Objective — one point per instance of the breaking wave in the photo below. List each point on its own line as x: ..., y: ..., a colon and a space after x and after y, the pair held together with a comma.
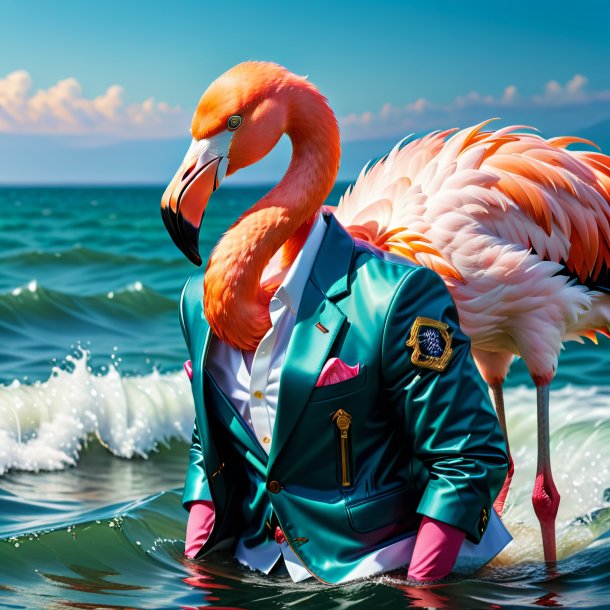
x: 46, y: 425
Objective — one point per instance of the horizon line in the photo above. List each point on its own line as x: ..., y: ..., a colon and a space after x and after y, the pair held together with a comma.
x: 17, y: 185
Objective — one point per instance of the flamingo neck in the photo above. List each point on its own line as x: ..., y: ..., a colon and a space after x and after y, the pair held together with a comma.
x: 236, y: 305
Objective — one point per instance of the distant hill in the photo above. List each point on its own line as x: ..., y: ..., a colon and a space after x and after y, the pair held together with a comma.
x: 598, y: 133
x: 26, y: 159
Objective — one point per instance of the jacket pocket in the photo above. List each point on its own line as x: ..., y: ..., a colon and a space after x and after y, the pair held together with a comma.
x: 383, y: 509
x: 334, y: 390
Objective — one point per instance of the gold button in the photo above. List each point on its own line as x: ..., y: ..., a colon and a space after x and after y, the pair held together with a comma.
x: 258, y: 394
x: 484, y: 516
x: 274, y: 486
x: 266, y: 439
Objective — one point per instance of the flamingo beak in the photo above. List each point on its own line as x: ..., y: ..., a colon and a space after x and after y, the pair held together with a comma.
x: 185, y: 199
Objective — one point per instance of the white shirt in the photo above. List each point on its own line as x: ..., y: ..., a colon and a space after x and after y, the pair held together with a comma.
x: 251, y: 381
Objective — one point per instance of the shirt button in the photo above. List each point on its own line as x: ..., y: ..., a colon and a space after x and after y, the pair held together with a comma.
x: 274, y: 486
x: 266, y: 440
x: 258, y: 394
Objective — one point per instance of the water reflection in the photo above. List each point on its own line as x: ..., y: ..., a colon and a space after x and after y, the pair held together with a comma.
x: 91, y: 581
x: 201, y: 578
x: 550, y: 600
x: 426, y: 597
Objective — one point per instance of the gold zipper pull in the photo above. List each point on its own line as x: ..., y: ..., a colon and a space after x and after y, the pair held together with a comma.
x: 343, y: 421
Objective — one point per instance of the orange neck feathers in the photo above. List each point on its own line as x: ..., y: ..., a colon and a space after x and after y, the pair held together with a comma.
x: 236, y: 305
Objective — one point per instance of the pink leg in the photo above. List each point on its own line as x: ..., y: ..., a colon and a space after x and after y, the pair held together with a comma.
x: 545, y: 496
x: 498, y: 399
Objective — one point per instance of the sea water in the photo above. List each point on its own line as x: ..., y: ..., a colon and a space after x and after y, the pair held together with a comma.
x: 96, y: 415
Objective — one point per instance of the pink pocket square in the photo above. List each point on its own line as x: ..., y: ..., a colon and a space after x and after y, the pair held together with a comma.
x: 335, y: 370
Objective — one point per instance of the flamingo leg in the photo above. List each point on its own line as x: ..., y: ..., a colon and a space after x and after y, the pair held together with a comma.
x: 545, y: 496
x: 498, y: 400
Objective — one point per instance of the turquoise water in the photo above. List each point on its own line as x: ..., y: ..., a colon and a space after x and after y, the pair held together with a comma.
x: 95, y: 414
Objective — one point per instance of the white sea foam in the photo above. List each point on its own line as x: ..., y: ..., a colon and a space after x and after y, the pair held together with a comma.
x: 31, y: 286
x: 44, y: 426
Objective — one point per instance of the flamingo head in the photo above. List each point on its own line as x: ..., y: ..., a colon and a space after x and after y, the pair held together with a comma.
x: 239, y: 119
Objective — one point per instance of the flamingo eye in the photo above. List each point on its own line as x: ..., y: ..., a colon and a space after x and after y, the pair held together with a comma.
x: 233, y: 122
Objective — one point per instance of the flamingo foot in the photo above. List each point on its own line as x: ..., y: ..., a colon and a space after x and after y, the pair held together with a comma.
x: 545, y: 499
x: 501, y: 499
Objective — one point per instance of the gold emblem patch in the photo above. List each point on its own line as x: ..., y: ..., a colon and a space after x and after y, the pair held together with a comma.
x: 431, y: 344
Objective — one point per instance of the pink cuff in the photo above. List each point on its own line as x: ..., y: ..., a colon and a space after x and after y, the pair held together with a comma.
x: 199, y: 526
x: 188, y: 367
x: 436, y: 549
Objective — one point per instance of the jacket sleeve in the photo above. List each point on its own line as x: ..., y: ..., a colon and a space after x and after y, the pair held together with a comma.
x: 196, y: 486
x: 443, y: 403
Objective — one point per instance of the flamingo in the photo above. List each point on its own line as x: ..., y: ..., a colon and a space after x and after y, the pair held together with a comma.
x: 517, y: 226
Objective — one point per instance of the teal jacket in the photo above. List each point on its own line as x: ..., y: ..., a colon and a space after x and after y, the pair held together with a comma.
x: 354, y: 465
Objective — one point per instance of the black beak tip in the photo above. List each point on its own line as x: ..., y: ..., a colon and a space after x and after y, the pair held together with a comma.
x: 184, y: 235
x: 189, y: 238
x: 194, y: 258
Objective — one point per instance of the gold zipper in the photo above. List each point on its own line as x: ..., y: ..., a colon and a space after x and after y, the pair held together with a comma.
x: 343, y: 421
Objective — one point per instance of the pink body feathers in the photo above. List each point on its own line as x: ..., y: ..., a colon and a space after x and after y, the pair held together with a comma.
x: 505, y: 218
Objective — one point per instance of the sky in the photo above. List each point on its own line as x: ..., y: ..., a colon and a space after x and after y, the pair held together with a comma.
x: 84, y: 75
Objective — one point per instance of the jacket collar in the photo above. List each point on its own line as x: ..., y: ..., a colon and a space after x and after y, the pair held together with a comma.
x: 332, y: 267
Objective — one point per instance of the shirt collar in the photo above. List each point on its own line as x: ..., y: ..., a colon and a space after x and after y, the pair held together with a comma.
x: 291, y: 289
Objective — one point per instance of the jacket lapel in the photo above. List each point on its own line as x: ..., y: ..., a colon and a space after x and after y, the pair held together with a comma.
x: 200, y: 346
x: 306, y: 354
x: 318, y: 324
x: 232, y: 419
x: 204, y: 382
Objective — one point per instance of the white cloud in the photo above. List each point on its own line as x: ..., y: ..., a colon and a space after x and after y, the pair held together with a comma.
x: 559, y: 109
x: 64, y: 109
x: 573, y: 92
